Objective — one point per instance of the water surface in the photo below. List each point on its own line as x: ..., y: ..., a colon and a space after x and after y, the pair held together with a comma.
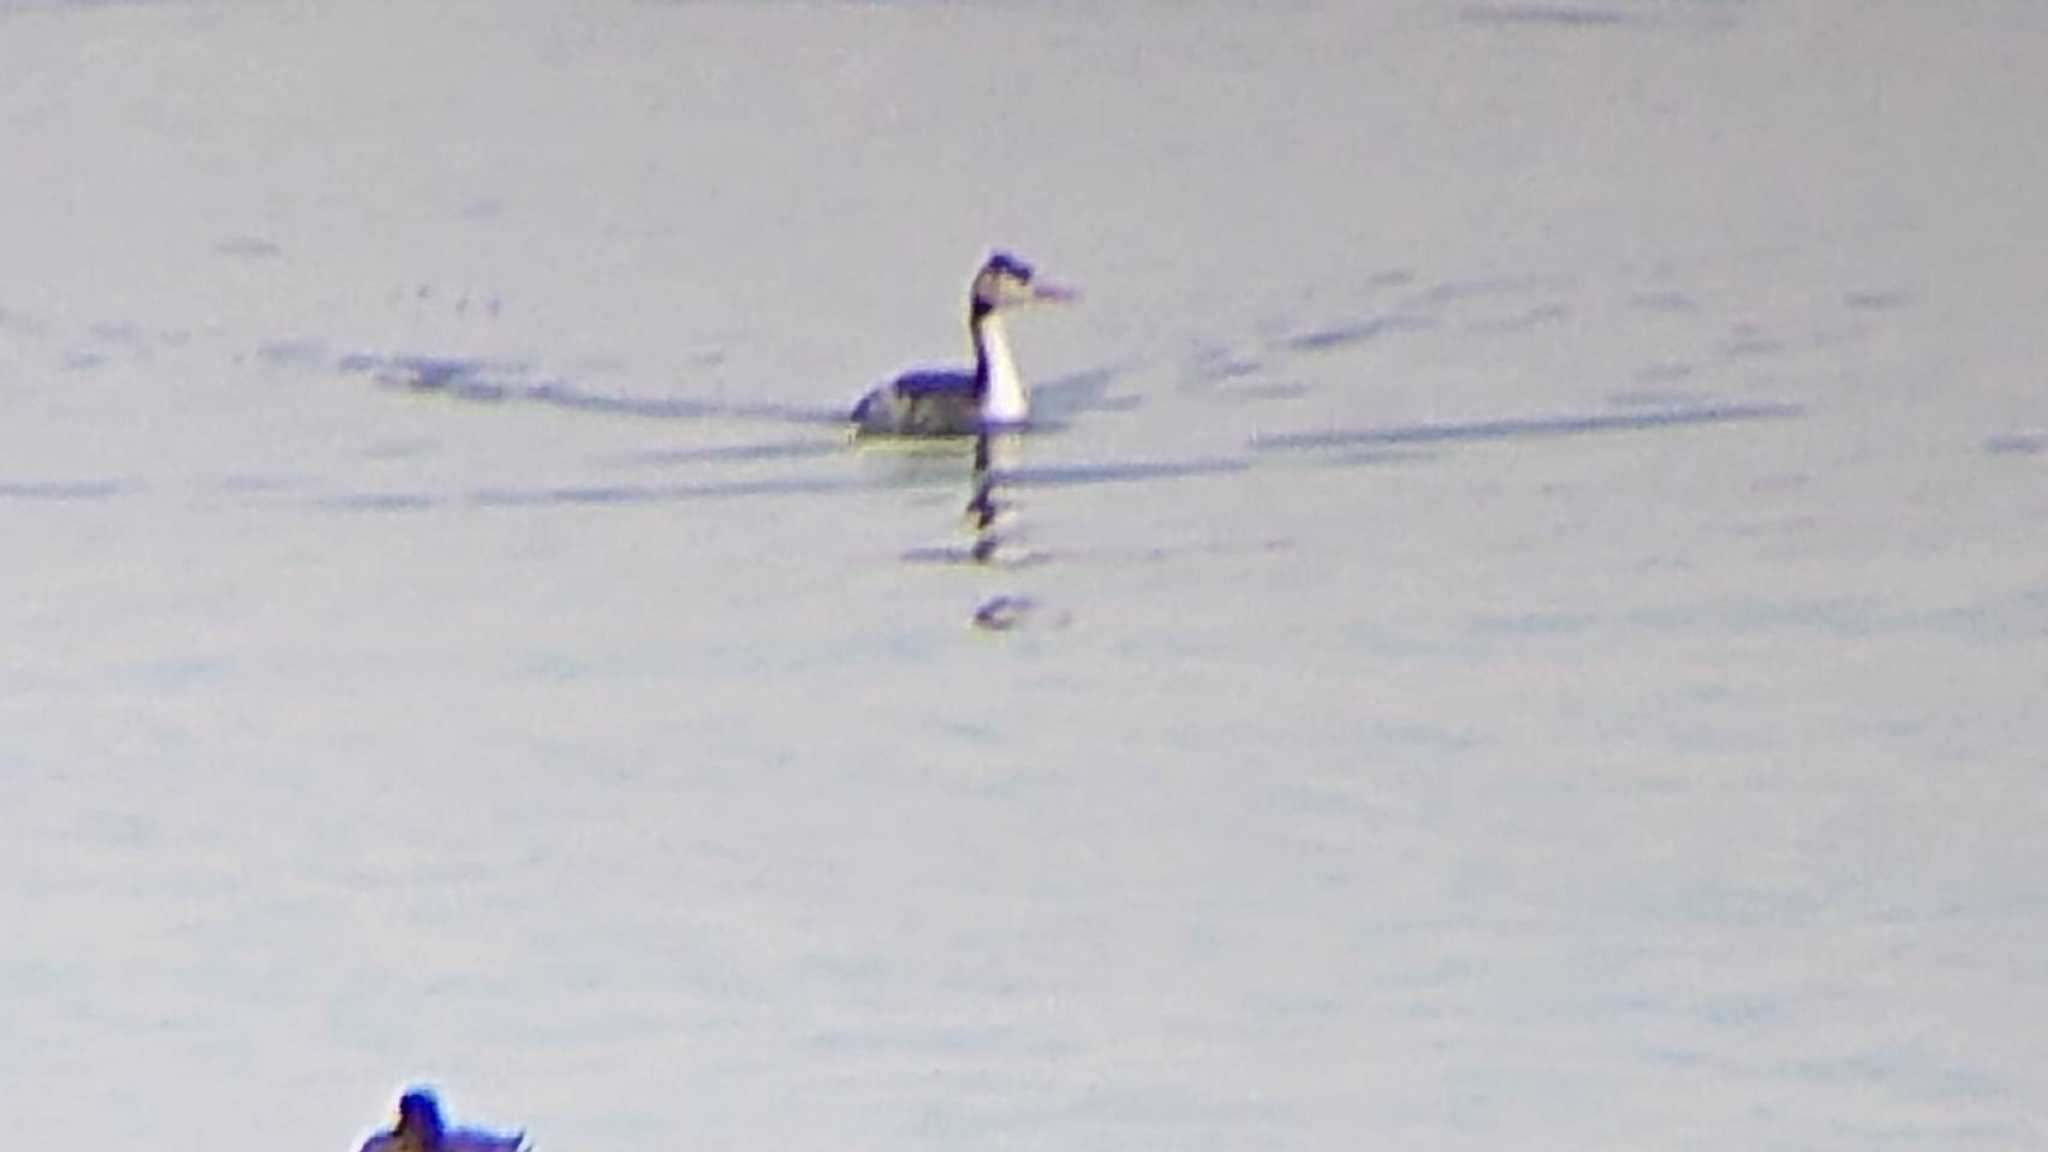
x: 1522, y: 626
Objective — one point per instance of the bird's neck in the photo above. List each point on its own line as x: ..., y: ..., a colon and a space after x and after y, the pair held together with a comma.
x: 1004, y: 398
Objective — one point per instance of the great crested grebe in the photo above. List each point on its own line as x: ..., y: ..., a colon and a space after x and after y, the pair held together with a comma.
x: 420, y: 1129
x: 950, y: 402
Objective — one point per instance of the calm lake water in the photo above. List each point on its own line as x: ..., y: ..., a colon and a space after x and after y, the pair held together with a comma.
x: 1525, y: 620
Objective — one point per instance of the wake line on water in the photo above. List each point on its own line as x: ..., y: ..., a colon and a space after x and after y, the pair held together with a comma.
x: 481, y: 381
x: 493, y: 382
x: 1523, y: 428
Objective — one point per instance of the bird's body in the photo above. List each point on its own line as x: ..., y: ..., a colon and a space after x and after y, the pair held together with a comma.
x: 419, y: 1128
x: 934, y: 402
x: 952, y: 402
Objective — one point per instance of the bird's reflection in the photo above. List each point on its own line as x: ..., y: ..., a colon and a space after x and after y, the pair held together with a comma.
x: 981, y: 505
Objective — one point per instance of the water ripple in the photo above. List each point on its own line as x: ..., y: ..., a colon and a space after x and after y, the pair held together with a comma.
x: 1524, y: 428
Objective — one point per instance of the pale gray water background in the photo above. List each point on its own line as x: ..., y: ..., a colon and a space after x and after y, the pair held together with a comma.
x: 1541, y: 592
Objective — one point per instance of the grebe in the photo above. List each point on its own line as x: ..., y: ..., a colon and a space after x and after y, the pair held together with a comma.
x: 941, y: 402
x: 420, y: 1129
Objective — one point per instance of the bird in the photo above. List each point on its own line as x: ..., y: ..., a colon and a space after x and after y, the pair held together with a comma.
x: 419, y: 1128
x: 948, y: 401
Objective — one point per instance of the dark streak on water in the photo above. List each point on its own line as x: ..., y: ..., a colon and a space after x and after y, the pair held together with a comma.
x: 124, y: 334
x: 20, y: 323
x: 252, y: 483
x: 402, y: 448
x: 654, y: 493
x: 247, y: 248
x: 1220, y: 366
x: 481, y: 381
x: 1876, y: 301
x: 614, y: 495
x: 1092, y: 474
x: 978, y: 555
x: 1705, y: 13
x: 581, y: 494
x: 1527, y: 318
x: 1004, y: 613
x: 486, y: 382
x: 1323, y: 339
x: 561, y: 394
x: 1344, y: 335
x: 11, y: 7
x: 59, y: 490
x: 1671, y: 301
x: 2016, y: 444
x: 292, y: 353
x: 1747, y: 343
x: 620, y: 495
x: 1525, y: 428
x: 1529, y: 14
x: 1482, y: 287
x: 1664, y: 371
x: 380, y: 501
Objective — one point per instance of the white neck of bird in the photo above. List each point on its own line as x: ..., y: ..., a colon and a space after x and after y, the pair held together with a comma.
x: 1007, y: 400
